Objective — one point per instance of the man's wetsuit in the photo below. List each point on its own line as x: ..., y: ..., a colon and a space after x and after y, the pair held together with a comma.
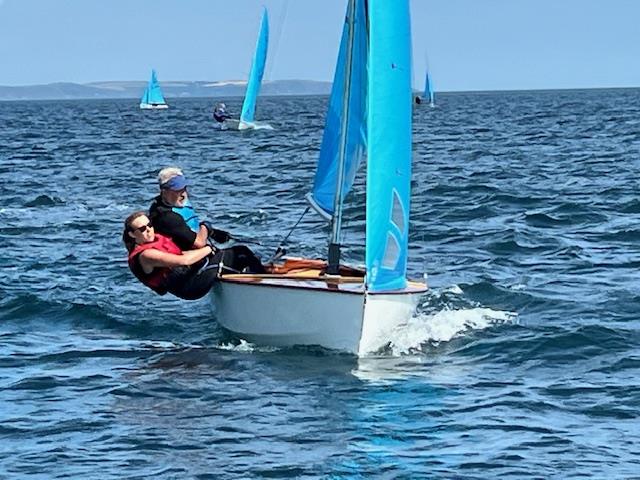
x: 179, y: 223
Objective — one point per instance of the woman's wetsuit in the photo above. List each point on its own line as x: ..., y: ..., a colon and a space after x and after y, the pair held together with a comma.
x: 194, y: 281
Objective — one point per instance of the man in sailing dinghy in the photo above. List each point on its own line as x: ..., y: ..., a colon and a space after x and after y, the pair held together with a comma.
x: 173, y: 216
x: 220, y: 113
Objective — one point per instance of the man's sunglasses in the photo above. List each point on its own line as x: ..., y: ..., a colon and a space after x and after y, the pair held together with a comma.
x: 177, y: 192
x: 141, y: 229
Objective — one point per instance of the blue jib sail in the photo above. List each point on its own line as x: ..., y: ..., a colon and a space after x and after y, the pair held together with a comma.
x: 389, y: 144
x: 326, y: 180
x: 153, y: 94
x: 257, y: 71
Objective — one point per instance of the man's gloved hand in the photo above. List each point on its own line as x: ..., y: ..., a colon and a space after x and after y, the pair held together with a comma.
x: 219, y: 236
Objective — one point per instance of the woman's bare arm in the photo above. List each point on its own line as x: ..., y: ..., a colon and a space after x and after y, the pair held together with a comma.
x: 150, y: 259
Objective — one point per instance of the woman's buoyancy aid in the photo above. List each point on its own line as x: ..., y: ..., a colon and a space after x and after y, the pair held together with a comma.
x: 156, y: 280
x: 190, y: 216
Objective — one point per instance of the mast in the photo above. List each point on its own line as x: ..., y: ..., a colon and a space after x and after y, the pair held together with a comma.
x: 333, y: 256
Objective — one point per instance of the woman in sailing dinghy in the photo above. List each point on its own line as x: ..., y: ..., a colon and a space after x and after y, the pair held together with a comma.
x: 162, y: 266
x: 159, y: 263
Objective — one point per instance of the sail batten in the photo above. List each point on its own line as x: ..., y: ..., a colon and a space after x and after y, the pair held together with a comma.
x: 257, y: 71
x: 389, y: 145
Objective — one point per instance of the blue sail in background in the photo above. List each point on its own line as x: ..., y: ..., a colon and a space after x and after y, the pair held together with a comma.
x: 152, y: 95
x: 389, y: 144
x: 257, y: 71
x: 428, y: 90
x: 326, y: 179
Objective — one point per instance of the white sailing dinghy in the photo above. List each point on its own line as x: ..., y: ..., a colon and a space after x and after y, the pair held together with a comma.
x: 152, y: 98
x: 316, y: 302
x: 247, y: 121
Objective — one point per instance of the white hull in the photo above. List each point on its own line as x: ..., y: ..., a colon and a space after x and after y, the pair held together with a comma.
x: 151, y: 106
x: 285, y: 311
x: 229, y: 124
x: 254, y: 126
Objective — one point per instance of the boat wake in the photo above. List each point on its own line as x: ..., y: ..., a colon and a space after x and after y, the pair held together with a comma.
x: 245, y: 347
x: 442, y: 326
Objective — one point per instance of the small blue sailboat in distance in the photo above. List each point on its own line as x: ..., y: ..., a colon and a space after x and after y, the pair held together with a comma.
x: 255, y: 78
x: 152, y: 98
x: 428, y: 91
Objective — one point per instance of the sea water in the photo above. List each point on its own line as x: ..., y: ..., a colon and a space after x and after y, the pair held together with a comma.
x: 522, y: 361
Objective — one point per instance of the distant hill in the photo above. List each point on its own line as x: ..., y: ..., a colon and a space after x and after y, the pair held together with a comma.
x: 230, y: 88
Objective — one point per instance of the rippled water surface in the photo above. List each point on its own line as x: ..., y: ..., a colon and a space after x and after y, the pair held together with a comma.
x: 522, y: 362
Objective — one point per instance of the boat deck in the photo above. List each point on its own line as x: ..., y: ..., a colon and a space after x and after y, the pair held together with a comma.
x: 310, y: 274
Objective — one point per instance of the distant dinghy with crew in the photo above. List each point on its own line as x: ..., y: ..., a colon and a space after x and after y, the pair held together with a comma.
x: 247, y: 116
x: 152, y: 98
x: 429, y: 96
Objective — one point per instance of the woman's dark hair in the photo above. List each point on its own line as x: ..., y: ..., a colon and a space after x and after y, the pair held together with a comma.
x: 129, y: 242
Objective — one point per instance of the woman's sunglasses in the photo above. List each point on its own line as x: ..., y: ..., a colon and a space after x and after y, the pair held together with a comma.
x: 141, y: 229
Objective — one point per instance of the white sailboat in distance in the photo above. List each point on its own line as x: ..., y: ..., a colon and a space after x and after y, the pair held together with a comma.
x: 325, y: 303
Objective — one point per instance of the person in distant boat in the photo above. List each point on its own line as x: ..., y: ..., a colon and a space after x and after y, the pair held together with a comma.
x: 220, y: 113
x: 418, y: 100
x: 162, y: 266
x: 173, y: 216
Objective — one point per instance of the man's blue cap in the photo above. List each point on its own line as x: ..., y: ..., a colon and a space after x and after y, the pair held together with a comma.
x: 175, y: 183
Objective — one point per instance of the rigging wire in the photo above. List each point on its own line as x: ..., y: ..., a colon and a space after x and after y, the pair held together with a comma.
x: 280, y: 251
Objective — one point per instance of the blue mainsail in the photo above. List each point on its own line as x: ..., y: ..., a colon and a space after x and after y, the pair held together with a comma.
x: 345, y: 128
x: 428, y: 91
x: 389, y: 144
x: 153, y: 95
x: 257, y: 71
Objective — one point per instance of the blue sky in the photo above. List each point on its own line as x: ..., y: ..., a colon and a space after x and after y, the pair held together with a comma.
x: 470, y: 44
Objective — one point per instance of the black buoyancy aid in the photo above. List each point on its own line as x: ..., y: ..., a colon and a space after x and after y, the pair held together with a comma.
x: 187, y: 212
x: 156, y: 280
